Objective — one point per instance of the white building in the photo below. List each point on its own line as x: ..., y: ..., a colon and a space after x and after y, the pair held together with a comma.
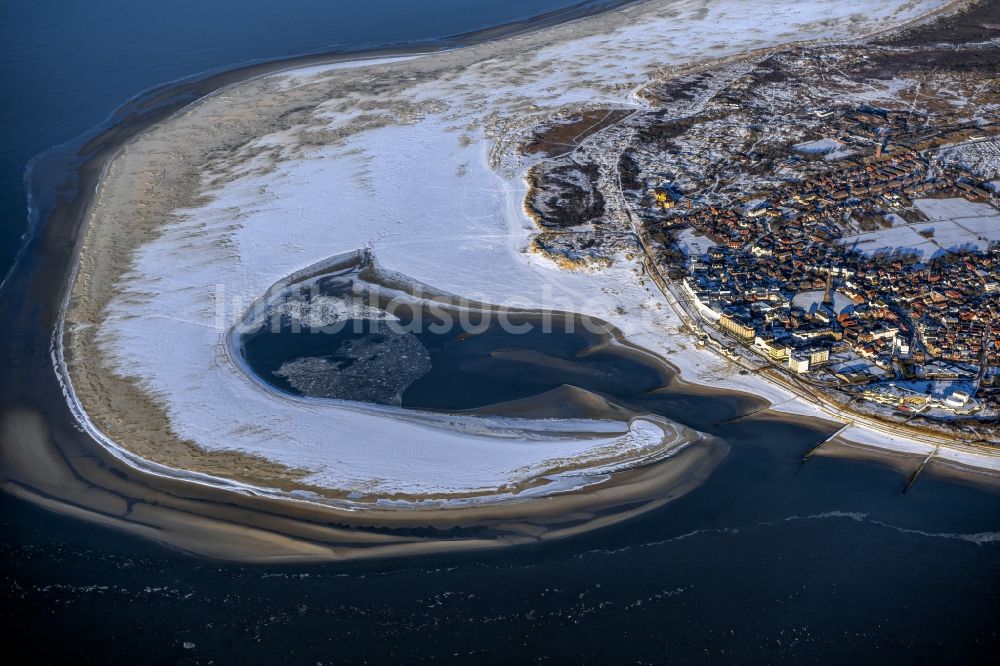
x: 798, y: 363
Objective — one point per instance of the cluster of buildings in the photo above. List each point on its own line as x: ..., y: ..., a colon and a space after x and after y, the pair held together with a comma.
x: 775, y: 278
x: 921, y: 397
x: 821, y: 208
x: 956, y: 305
x: 798, y: 310
x: 856, y: 321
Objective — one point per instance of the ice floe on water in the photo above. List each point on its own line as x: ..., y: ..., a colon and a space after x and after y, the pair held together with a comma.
x: 325, y: 311
x: 375, y: 368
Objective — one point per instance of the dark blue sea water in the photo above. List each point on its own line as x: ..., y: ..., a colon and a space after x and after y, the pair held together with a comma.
x: 770, y: 561
x: 66, y: 65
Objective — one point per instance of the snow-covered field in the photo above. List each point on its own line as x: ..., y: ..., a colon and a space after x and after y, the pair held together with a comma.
x: 954, y: 225
x: 831, y: 149
x: 693, y: 244
x: 423, y: 195
x: 808, y: 299
x: 955, y: 209
x: 899, y: 239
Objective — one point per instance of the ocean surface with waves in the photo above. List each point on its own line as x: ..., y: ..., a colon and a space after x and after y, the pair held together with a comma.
x: 770, y: 560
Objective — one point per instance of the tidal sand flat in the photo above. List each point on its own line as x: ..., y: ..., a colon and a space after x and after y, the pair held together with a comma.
x: 201, y: 214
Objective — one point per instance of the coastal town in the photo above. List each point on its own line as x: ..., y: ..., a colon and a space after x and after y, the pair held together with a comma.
x: 843, y: 239
x: 889, y: 327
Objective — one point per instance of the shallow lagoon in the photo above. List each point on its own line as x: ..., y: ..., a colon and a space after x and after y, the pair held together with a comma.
x: 340, y: 336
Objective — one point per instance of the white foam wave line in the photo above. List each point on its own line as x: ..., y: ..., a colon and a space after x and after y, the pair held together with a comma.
x: 976, y: 538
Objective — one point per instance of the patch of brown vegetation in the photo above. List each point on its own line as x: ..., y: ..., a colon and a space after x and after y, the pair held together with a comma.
x: 563, y: 193
x: 564, y: 137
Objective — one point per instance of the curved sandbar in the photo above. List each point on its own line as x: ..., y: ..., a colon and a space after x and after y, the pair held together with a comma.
x: 248, y: 185
x: 54, y: 472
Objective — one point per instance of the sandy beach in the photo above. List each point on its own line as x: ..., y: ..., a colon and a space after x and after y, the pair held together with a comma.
x: 182, y: 233
x: 205, y: 521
